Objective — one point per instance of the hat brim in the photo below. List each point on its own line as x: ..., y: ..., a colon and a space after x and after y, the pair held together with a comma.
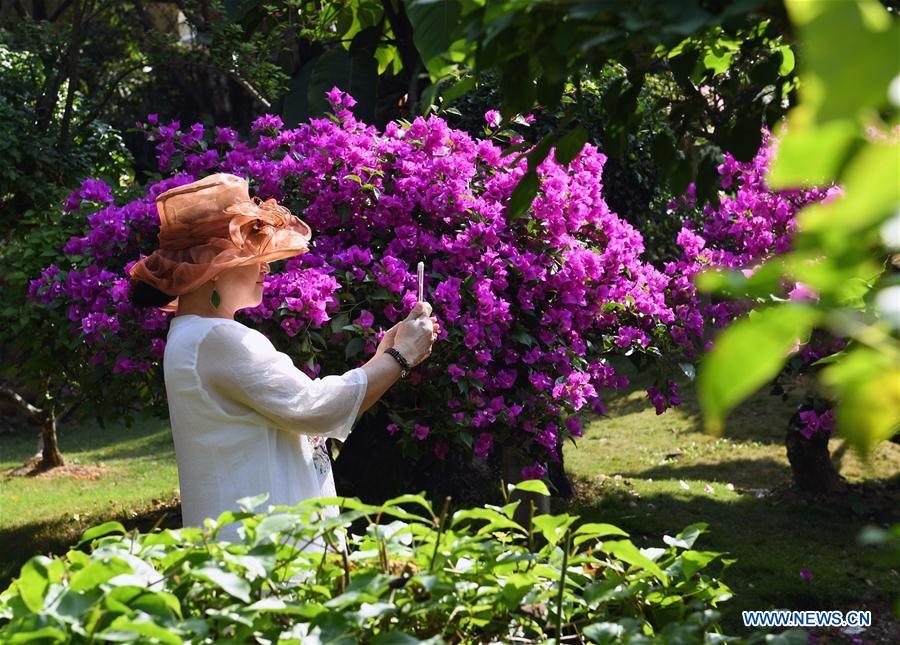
x: 283, y: 242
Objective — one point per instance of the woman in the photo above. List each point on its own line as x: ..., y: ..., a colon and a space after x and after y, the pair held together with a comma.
x: 244, y: 419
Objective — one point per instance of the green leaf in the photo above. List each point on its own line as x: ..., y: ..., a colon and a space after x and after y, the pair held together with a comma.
x: 523, y: 194
x: 748, y: 354
x: 250, y: 503
x: 838, y: 40
x: 32, y: 582
x: 867, y: 386
x: 103, y: 529
x: 127, y: 626
x: 553, y: 527
x: 395, y: 638
x: 692, y: 561
x: 276, y: 523
x: 605, y: 633
x: 37, y: 636
x: 98, y: 572
x: 599, y: 529
x: 339, y: 322
x: 810, y: 157
x: 787, y: 60
x: 570, y: 145
x: 861, y: 206
x: 687, y: 537
x: 434, y: 24
x: 228, y: 582
x: 530, y: 486
x: 355, y: 73
x: 354, y: 347
x: 627, y: 552
x: 462, y: 86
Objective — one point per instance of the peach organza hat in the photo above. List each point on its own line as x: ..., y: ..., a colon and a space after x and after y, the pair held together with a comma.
x: 211, y: 225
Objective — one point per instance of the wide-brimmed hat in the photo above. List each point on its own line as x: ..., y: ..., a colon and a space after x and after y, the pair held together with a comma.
x: 211, y: 225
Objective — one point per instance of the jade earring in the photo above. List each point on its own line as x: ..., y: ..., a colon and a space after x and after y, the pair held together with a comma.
x: 215, y: 298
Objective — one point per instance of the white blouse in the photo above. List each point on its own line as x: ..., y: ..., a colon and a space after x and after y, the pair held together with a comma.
x: 246, y: 421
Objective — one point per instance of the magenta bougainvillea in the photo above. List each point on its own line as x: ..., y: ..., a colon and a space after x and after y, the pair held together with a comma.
x: 530, y: 307
x: 751, y: 224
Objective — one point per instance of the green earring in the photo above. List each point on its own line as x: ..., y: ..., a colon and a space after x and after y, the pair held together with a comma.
x: 215, y: 298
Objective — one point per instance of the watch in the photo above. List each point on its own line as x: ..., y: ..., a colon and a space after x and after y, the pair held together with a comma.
x: 404, y: 364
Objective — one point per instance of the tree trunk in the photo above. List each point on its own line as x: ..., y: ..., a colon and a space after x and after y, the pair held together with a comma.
x: 48, y: 449
x: 811, y: 462
x: 372, y: 467
x: 51, y: 457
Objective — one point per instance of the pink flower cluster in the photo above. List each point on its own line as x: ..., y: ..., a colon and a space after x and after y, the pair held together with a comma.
x: 528, y: 306
x: 814, y: 422
x: 662, y: 401
x: 751, y: 224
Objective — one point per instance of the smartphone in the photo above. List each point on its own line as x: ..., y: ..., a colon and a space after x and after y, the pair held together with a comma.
x: 421, y: 281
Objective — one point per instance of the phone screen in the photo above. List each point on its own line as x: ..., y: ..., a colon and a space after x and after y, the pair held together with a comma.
x: 421, y: 281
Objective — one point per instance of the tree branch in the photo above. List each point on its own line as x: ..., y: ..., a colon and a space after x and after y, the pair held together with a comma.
x: 59, y: 10
x: 98, y: 109
x: 24, y: 406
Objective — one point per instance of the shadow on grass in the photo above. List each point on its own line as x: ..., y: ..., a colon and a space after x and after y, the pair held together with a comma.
x: 760, y: 419
x: 772, y: 538
x: 57, y: 536
x: 144, y: 438
x: 740, y: 472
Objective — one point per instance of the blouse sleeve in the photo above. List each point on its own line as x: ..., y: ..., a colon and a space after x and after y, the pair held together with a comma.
x: 244, y: 367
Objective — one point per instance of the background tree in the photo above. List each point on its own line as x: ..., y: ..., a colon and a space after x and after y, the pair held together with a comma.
x: 846, y: 249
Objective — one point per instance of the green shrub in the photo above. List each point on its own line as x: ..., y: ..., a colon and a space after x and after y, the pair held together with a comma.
x: 471, y: 576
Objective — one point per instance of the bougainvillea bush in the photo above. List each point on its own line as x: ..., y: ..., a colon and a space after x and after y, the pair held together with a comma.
x: 416, y: 576
x: 751, y: 224
x: 530, y: 307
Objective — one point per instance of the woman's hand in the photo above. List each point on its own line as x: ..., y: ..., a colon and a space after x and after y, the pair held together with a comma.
x: 387, y: 340
x: 415, y: 335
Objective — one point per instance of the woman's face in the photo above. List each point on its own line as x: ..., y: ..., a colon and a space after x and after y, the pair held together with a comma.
x: 243, y: 286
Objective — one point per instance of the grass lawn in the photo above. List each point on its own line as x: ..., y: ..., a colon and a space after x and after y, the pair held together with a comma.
x: 116, y: 472
x: 652, y: 475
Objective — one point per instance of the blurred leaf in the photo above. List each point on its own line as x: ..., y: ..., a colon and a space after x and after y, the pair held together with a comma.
x: 523, y: 194
x: 838, y: 40
x: 570, y: 145
x: 748, y: 354
x: 101, y: 530
x: 810, y: 157
x: 97, y: 572
x: 861, y: 206
x: 230, y: 583
x: 867, y: 384
x: 32, y: 583
x: 125, y: 627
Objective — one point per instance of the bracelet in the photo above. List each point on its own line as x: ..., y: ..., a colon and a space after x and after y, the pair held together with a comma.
x: 404, y: 364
